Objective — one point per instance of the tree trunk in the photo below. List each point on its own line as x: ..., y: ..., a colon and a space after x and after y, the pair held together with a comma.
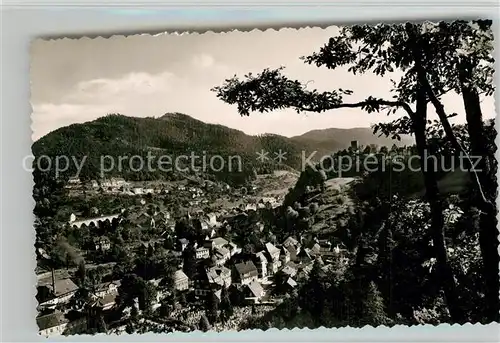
x: 488, y: 232
x: 435, y: 202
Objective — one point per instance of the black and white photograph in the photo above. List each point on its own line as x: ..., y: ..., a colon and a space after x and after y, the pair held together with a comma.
x: 265, y: 179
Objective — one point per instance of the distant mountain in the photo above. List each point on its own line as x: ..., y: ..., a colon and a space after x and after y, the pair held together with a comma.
x: 176, y: 134
x: 334, y: 139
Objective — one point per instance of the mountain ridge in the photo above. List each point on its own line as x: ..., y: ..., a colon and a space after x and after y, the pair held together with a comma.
x: 178, y: 133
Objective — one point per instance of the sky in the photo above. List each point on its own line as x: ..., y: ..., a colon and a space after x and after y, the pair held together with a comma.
x: 79, y: 80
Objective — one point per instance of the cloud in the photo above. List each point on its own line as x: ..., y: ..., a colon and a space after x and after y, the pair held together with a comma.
x: 135, y: 83
x: 203, y: 61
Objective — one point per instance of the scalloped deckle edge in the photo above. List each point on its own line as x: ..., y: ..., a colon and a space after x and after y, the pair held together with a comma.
x: 208, y: 33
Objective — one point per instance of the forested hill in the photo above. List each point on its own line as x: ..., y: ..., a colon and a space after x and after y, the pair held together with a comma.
x: 339, y: 139
x: 177, y: 134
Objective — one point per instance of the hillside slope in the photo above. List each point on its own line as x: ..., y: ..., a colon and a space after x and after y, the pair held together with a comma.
x: 176, y: 134
x: 334, y: 139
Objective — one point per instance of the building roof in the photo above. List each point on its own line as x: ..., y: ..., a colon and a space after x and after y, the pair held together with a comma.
x: 105, y: 285
x: 271, y: 249
x: 316, y: 248
x: 290, y: 241
x: 221, y: 251
x: 289, y: 270
x: 291, y: 282
x: 231, y: 246
x: 50, y: 320
x: 63, y: 286
x: 108, y: 299
x: 261, y: 256
x: 218, y: 274
x: 292, y: 249
x: 305, y: 253
x: 179, y: 276
x: 219, y: 241
x: 246, y: 267
x: 256, y: 289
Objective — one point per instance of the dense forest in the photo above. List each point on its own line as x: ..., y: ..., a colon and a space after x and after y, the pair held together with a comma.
x: 414, y: 259
x: 176, y: 134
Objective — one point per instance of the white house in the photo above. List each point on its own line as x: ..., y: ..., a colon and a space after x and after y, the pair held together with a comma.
x: 233, y: 248
x: 202, y: 253
x: 212, y: 219
x: 222, y: 255
x: 106, y: 288
x: 181, y: 281
x: 183, y: 243
x: 261, y: 264
x: 53, y: 324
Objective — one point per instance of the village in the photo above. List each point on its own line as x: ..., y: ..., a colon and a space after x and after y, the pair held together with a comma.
x: 200, y: 259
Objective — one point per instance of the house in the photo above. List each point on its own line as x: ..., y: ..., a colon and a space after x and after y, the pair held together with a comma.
x: 294, y: 251
x: 137, y: 190
x: 290, y: 269
x: 246, y: 272
x: 210, y: 279
x: 74, y: 181
x: 202, y: 253
x: 182, y: 244
x: 106, y: 288
x: 290, y: 241
x: 212, y: 219
x: 250, y: 207
x: 290, y: 284
x: 58, y: 292
x: 261, y: 263
x: 284, y: 255
x: 102, y: 243
x: 107, y: 302
x: 219, y: 275
x: 212, y: 233
x: 222, y: 255
x: 114, y: 182
x: 219, y: 242
x: 273, y: 252
x: 315, y: 250
x: 233, y: 249
x: 203, y: 224
x: 253, y: 291
x: 304, y: 270
x: 53, y: 324
x: 181, y: 281
x: 94, y: 184
x: 260, y: 226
